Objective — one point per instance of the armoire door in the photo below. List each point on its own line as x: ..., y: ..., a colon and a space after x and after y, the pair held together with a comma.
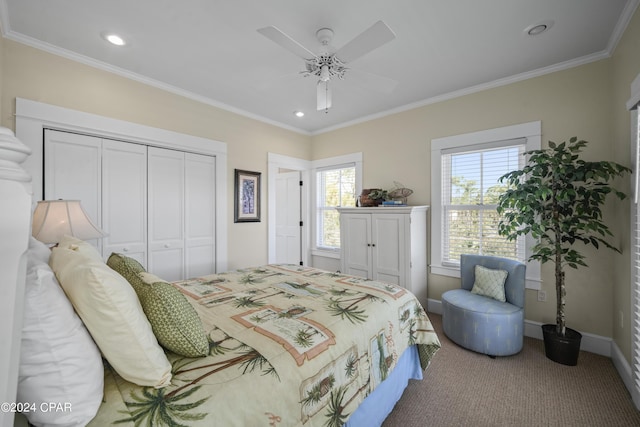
x: 388, y: 236
x: 200, y: 208
x: 166, y: 189
x: 355, y: 232
x: 124, y: 199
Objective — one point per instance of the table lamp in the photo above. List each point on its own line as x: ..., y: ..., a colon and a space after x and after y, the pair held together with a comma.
x: 53, y: 219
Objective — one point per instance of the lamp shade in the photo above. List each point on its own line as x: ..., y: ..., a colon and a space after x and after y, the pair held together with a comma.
x: 52, y: 219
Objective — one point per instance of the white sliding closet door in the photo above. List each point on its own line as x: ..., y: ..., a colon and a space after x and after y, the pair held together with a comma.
x: 156, y: 205
x: 200, y: 208
x: 72, y: 171
x: 124, y: 199
x: 166, y: 181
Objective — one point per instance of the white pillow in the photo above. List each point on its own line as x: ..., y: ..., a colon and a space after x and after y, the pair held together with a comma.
x: 59, y: 362
x: 38, y: 251
x: 110, y: 309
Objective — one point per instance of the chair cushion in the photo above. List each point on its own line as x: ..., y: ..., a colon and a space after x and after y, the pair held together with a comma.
x: 468, y: 301
x: 489, y: 282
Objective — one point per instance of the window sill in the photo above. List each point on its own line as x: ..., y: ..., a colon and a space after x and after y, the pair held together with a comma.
x: 335, y: 254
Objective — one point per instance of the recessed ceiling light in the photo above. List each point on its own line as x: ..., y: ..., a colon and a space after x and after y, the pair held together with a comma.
x: 538, y: 28
x: 114, y: 39
x: 298, y: 113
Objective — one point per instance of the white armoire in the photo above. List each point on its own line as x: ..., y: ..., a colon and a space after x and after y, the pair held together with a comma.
x: 388, y: 244
x: 156, y: 205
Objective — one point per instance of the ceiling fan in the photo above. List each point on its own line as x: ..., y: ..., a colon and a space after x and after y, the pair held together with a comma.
x: 330, y: 64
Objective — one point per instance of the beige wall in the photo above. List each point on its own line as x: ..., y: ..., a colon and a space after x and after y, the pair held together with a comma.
x: 572, y: 102
x: 625, y: 67
x: 33, y: 74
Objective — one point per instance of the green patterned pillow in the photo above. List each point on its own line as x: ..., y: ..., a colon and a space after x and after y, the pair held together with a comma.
x: 490, y: 283
x: 174, y: 322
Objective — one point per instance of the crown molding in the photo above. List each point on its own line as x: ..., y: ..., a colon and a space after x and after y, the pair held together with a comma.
x: 475, y: 89
x: 55, y: 50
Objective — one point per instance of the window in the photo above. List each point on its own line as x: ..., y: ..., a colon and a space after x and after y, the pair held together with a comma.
x: 470, y: 191
x: 336, y: 188
x: 465, y: 191
x: 634, y: 105
x: 635, y: 257
x: 337, y: 184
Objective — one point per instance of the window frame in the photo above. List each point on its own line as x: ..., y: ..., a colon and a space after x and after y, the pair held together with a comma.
x: 531, y: 132
x: 348, y: 160
x: 633, y: 105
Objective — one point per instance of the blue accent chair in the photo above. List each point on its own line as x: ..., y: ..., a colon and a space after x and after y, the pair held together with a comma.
x: 480, y: 323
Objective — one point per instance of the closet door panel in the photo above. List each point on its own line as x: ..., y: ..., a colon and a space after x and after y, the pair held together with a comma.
x: 199, y: 214
x: 124, y: 199
x: 166, y: 213
x: 72, y: 171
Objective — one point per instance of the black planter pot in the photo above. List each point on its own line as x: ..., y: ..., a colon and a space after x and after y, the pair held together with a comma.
x: 564, y: 350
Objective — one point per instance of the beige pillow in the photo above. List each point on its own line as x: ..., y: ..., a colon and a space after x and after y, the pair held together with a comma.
x: 110, y: 310
x: 80, y: 246
x: 490, y: 283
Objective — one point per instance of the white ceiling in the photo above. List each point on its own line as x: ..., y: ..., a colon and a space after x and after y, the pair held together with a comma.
x: 210, y: 50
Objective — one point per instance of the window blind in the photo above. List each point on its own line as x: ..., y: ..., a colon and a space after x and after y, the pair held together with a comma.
x: 635, y: 255
x: 470, y: 192
x: 336, y: 187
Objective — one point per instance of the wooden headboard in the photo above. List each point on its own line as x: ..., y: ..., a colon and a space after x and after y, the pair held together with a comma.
x: 15, y: 227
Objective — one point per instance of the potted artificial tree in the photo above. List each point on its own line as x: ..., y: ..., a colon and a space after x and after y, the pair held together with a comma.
x: 557, y: 198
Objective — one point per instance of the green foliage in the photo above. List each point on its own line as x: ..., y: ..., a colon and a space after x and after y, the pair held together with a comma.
x: 557, y: 198
x: 377, y: 194
x: 474, y: 230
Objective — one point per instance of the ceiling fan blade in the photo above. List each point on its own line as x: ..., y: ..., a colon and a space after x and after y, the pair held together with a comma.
x: 371, y: 81
x: 277, y: 36
x: 370, y: 39
x: 324, y: 96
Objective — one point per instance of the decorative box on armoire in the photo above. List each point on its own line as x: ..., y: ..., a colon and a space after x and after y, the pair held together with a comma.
x: 388, y: 244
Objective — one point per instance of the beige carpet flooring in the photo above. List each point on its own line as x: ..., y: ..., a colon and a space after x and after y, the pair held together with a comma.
x: 463, y: 388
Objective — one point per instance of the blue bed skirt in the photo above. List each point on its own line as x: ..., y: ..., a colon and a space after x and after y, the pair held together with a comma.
x: 379, y: 404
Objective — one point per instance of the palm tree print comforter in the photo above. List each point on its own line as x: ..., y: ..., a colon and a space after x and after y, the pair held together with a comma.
x: 289, y: 346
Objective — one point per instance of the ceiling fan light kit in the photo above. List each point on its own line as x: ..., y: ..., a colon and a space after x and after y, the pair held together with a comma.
x: 326, y: 65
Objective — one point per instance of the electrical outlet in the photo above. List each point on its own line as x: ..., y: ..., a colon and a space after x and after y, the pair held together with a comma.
x: 542, y: 296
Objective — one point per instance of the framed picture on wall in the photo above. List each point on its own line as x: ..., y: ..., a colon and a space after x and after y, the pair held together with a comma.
x: 247, y: 196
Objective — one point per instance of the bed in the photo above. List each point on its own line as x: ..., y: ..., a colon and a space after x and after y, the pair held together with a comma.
x: 272, y: 345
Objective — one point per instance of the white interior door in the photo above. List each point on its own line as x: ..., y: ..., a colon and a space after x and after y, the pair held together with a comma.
x: 166, y: 213
x: 288, y: 217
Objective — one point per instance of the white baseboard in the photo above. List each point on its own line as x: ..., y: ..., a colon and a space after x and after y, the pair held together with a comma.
x: 623, y: 367
x: 434, y: 306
